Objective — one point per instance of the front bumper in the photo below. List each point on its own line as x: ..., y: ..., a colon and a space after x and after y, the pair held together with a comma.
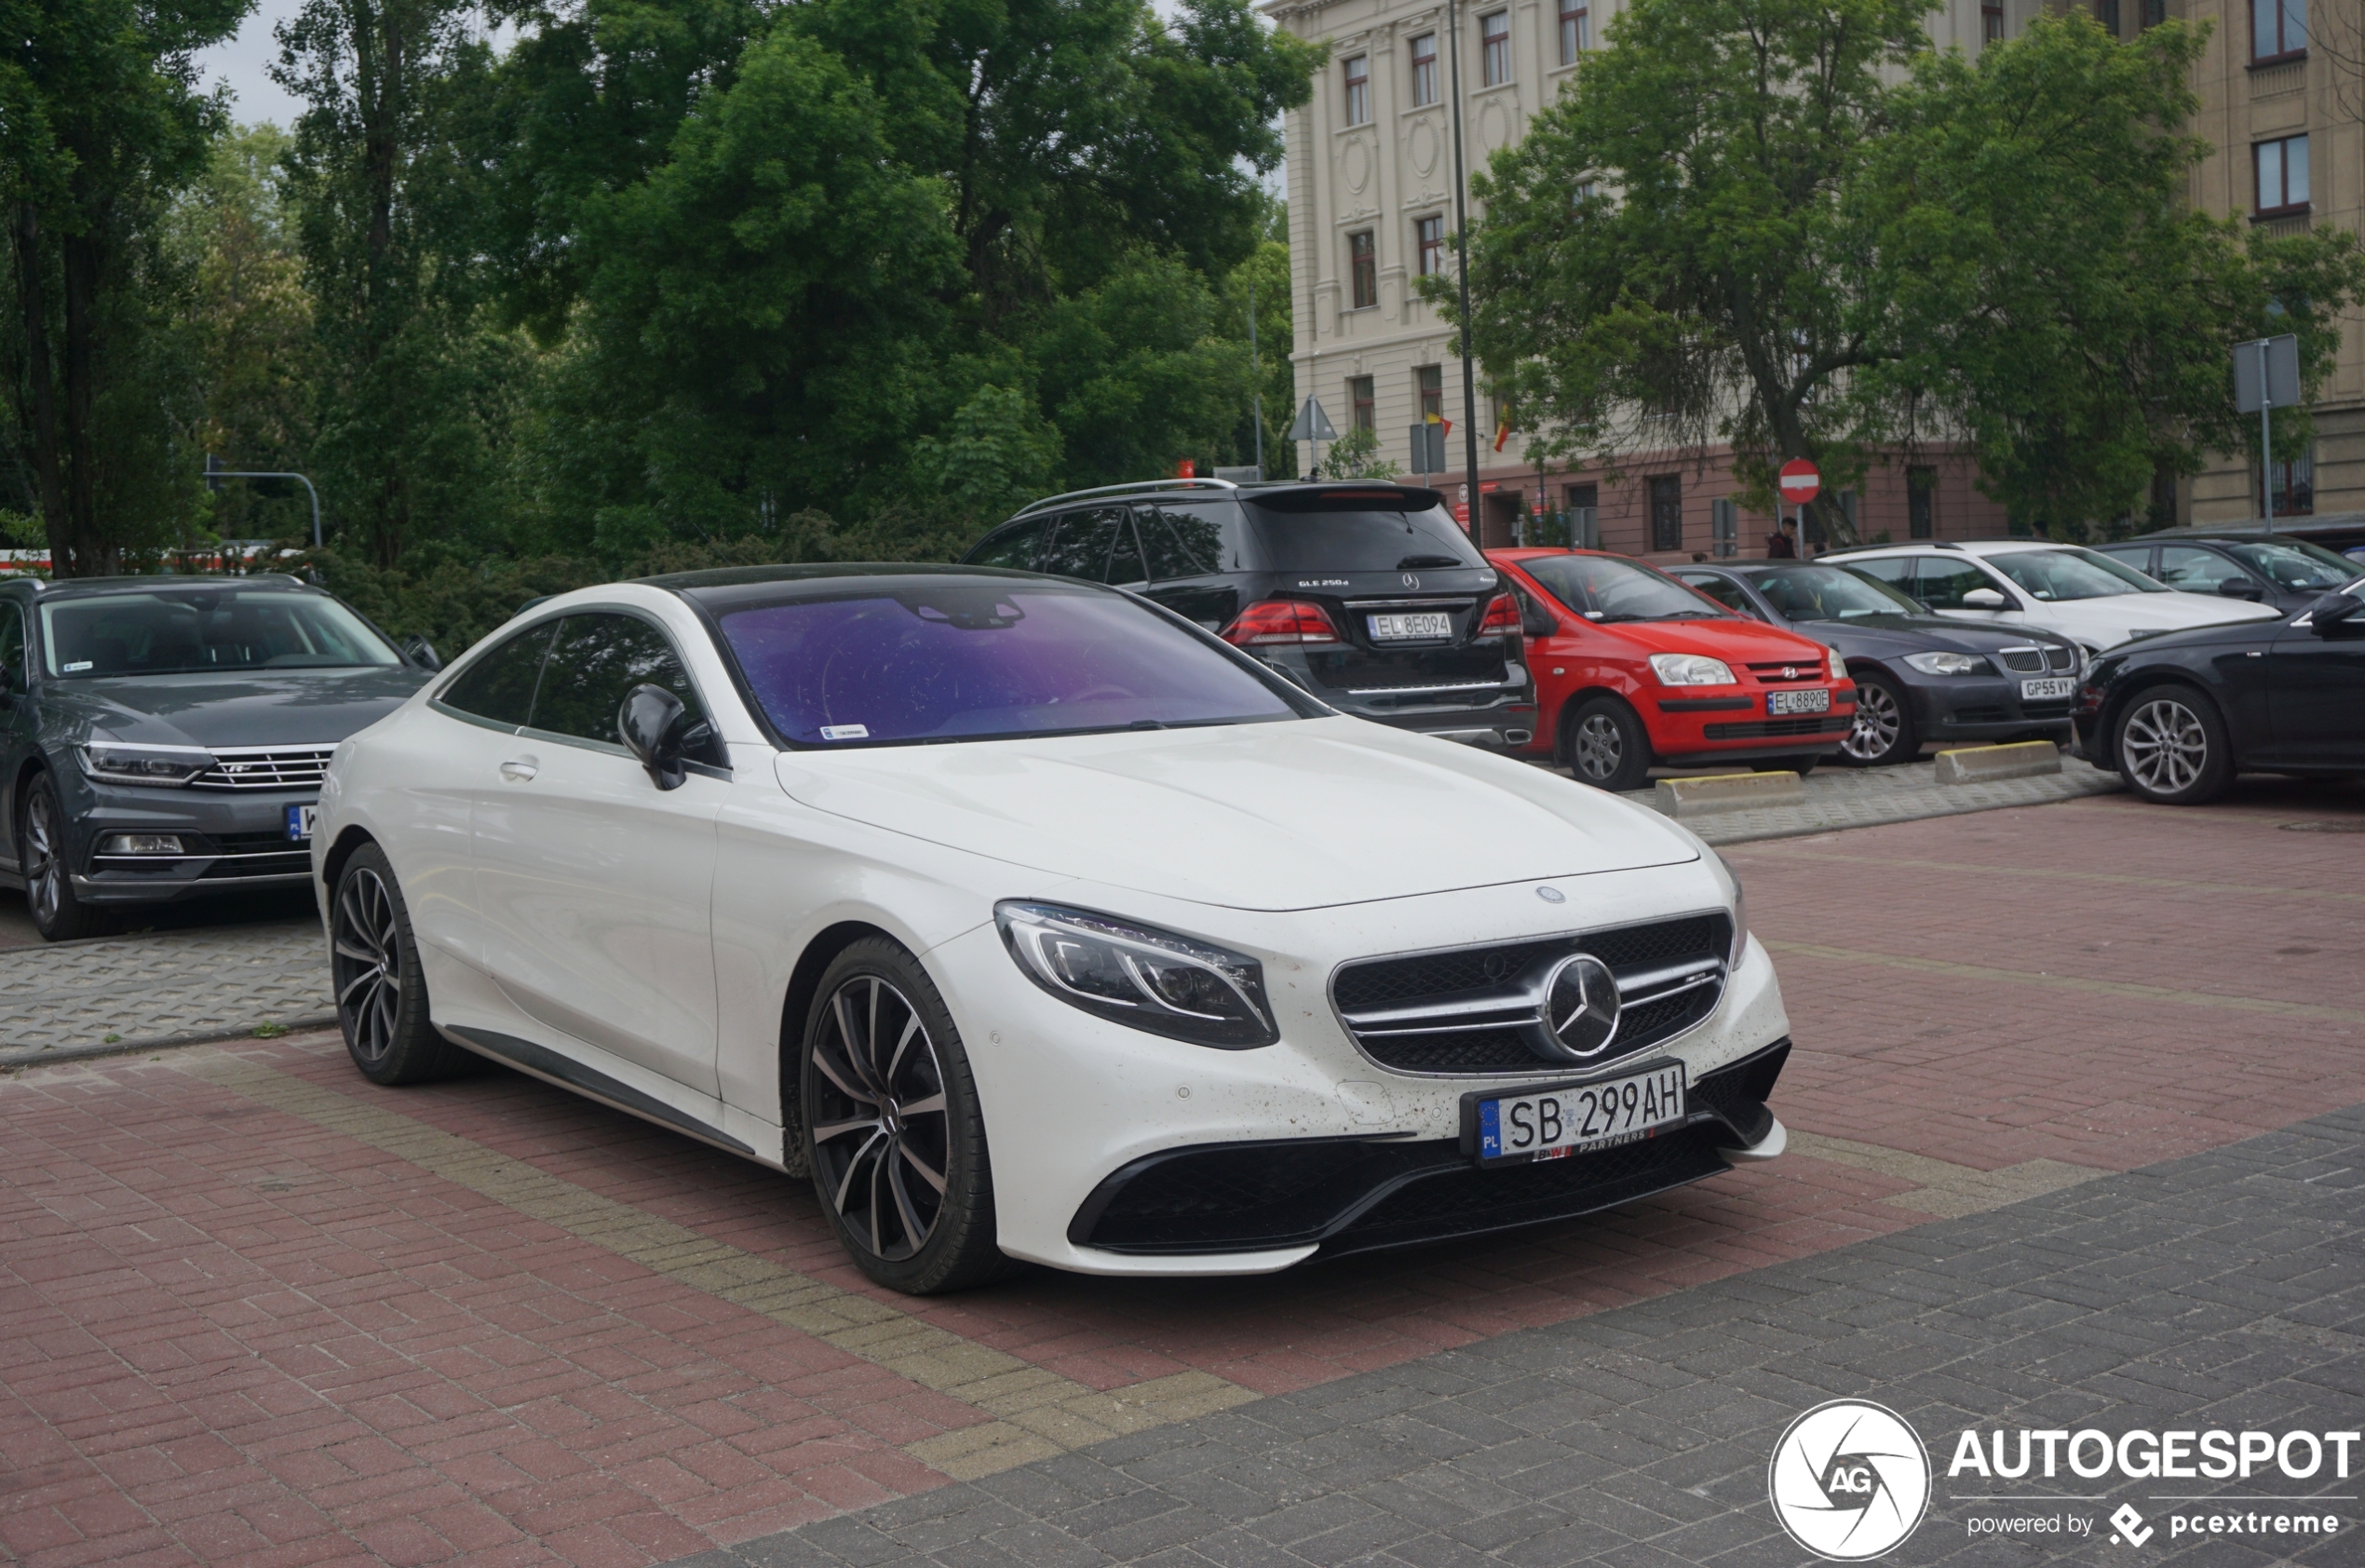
x: 1071, y: 1100
x: 1690, y: 727
x: 1955, y: 709
x: 239, y: 843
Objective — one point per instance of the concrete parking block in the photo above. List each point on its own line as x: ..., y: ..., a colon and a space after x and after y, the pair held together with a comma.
x: 1726, y: 791
x: 1976, y: 764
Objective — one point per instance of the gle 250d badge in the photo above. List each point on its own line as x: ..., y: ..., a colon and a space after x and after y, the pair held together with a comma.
x: 1849, y: 1481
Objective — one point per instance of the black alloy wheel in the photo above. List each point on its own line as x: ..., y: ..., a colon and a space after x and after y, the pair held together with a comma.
x: 374, y: 970
x: 892, y: 1132
x: 2171, y: 746
x: 1604, y: 745
x: 1883, y: 733
x: 58, y: 912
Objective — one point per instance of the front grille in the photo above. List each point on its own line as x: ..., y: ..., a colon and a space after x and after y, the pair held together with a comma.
x: 1766, y: 729
x: 2035, y: 660
x: 1788, y: 674
x: 1977, y: 716
x: 2045, y: 710
x: 289, y: 767
x: 1474, y: 1008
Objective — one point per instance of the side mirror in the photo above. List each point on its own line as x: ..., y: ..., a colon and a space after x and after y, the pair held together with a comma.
x: 2241, y: 587
x: 1536, y: 621
x: 1985, y: 598
x: 420, y: 651
x: 2336, y: 614
x: 656, y: 728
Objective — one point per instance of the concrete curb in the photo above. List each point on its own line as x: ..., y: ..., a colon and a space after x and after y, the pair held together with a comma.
x: 1978, y: 764
x: 43, y: 1058
x: 1726, y: 792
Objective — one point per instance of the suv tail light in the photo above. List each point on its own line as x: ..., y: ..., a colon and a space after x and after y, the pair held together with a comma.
x: 1281, y: 620
x: 1502, y: 618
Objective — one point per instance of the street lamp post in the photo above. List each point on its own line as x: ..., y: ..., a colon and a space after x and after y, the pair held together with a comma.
x: 1462, y: 254
x: 215, y: 473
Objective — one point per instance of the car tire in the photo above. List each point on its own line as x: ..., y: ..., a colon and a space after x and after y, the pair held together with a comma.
x: 58, y: 912
x: 894, y: 1135
x: 373, y: 973
x: 1884, y: 735
x: 2172, y: 746
x: 1603, y: 744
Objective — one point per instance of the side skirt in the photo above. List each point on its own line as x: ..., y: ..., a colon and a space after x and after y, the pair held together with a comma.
x: 548, y: 1065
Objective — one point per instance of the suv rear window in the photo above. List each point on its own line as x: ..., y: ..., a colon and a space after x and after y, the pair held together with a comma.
x: 1344, y: 534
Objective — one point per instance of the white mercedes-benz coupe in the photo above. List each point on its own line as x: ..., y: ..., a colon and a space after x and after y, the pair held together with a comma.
x: 1035, y: 922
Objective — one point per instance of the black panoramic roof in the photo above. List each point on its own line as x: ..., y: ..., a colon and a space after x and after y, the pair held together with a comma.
x: 739, y: 585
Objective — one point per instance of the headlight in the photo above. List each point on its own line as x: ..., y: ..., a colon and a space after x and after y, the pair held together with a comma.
x: 1690, y: 669
x: 170, y: 766
x: 1839, y: 665
x: 1949, y: 664
x: 1142, y: 978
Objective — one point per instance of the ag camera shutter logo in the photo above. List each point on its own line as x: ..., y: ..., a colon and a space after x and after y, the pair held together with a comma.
x: 1849, y: 1480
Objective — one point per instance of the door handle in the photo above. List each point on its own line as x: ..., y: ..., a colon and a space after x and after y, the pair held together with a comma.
x: 519, y: 770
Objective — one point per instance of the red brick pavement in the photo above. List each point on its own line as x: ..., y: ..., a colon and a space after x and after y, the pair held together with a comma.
x: 228, y: 1334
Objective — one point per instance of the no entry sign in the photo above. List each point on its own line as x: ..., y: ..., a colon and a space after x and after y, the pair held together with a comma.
x: 1799, y: 482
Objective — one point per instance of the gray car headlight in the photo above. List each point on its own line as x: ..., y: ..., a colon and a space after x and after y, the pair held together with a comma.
x: 1949, y: 664
x: 170, y: 766
x: 1140, y: 977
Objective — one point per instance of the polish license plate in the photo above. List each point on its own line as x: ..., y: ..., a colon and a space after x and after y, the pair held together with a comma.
x: 1574, y: 1118
x: 1399, y: 629
x: 2058, y: 688
x: 300, y: 820
x: 1818, y: 700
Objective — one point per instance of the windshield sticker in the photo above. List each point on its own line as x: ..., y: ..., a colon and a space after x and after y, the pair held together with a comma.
x: 845, y: 732
x: 77, y: 667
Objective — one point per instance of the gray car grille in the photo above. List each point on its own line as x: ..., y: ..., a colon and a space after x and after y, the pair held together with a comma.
x: 1472, y: 1012
x: 259, y: 767
x: 2035, y: 660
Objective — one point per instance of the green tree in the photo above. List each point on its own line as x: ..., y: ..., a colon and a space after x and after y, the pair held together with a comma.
x: 98, y: 125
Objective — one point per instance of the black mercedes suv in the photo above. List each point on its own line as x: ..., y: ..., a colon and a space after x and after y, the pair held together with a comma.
x: 1366, y: 594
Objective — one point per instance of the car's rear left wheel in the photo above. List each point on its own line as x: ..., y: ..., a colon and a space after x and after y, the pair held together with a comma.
x: 892, y: 1130
x: 58, y: 912
x: 374, y: 970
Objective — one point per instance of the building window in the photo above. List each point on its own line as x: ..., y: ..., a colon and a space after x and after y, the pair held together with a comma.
x: 1425, y: 69
x: 1358, y: 90
x: 1428, y: 245
x: 1667, y: 512
x: 1576, y: 30
x: 1991, y: 25
x: 2278, y: 28
x: 2295, y: 486
x: 1585, y: 516
x: 2106, y: 12
x: 1495, y: 48
x: 1359, y: 397
x: 1921, y: 503
x: 1428, y: 381
x: 2282, y: 176
x: 2155, y: 12
x: 1363, y: 269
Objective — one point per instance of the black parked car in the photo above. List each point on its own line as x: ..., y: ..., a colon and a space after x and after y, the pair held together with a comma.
x: 165, y: 737
x: 1919, y: 677
x: 2178, y: 715
x: 1365, y: 594
x: 2237, y: 563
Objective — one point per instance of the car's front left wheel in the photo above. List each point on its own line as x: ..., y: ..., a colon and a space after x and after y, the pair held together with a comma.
x: 892, y: 1130
x: 2172, y: 746
x: 58, y: 912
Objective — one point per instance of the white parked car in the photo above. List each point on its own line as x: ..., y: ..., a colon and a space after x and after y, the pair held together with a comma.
x: 2083, y: 594
x: 1035, y: 922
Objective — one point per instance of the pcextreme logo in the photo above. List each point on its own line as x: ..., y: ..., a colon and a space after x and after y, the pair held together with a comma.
x: 1849, y: 1480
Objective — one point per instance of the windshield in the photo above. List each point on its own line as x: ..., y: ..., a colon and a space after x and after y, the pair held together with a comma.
x: 961, y: 660
x: 2296, y: 564
x: 1829, y: 593
x: 1602, y: 587
x: 2071, y: 573
x: 1363, y: 540
x: 180, y: 632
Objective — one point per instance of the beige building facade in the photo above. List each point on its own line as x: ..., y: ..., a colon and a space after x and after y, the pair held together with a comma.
x: 1371, y: 181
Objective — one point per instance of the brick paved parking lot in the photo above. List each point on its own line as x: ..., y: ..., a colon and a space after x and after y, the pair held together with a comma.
x: 2074, y: 1145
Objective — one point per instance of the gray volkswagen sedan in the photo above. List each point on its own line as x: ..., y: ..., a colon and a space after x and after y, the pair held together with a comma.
x: 164, y: 737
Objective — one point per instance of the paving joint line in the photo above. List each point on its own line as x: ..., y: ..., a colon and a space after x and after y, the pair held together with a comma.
x: 1941, y: 1187
x: 2053, y: 874
x: 1033, y: 1412
x: 2127, y: 989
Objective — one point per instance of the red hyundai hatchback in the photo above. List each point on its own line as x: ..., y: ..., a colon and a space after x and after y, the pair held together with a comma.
x: 1633, y: 669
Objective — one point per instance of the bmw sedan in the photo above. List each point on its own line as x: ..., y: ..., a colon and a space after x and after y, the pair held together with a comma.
x: 1035, y: 922
x: 163, y: 738
x: 1918, y: 677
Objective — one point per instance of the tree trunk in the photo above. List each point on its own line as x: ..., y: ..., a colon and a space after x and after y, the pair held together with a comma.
x: 32, y: 296
x: 93, y: 557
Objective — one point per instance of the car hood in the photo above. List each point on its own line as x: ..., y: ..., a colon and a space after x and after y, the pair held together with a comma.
x: 2128, y: 613
x: 1289, y: 816
x: 1887, y: 636
x: 1750, y: 642
x: 253, y: 707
